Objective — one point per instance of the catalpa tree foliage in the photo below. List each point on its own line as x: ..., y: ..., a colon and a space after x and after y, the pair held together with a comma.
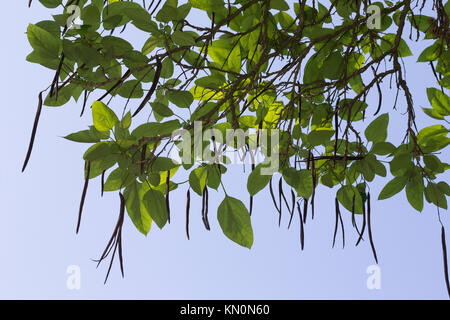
x: 292, y: 75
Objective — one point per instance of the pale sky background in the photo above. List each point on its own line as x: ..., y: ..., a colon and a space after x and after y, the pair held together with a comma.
x: 39, y: 208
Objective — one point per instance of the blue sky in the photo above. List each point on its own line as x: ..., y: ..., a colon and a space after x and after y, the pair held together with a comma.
x: 39, y: 209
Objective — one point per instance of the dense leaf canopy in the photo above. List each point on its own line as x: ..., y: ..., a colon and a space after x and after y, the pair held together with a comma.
x: 297, y: 71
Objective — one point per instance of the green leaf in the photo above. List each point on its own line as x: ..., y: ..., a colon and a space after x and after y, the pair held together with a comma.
x: 161, y: 109
x: 163, y: 164
x: 414, y: 192
x: 214, y: 176
x: 305, y: 186
x: 98, y: 151
x: 383, y: 148
x: 85, y: 136
x: 155, y: 204
x: 387, y: 42
x: 197, y: 179
x: 183, y: 38
x: 104, y: 118
x: 168, y: 11
x: 257, y: 181
x: 234, y: 220
x: 207, y: 5
x: 279, y: 5
x: 433, y: 138
x: 182, y: 99
x: 154, y: 129
x: 439, y: 101
x: 50, y: 3
x: 118, y: 179
x: 433, y: 194
x: 444, y: 187
x: 125, y: 123
x: 345, y: 196
x: 131, y: 89
x: 393, y: 187
x: 320, y: 136
x: 167, y: 68
x: 376, y: 131
x: 137, y: 212
x: 43, y: 41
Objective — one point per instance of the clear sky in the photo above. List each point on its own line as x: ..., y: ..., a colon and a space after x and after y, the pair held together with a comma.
x: 38, y: 215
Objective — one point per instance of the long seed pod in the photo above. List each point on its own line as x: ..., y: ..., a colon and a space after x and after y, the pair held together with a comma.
x: 302, y: 228
x: 103, y: 182
x: 188, y: 205
x: 293, y: 208
x: 167, y: 195
x: 336, y: 133
x: 342, y: 225
x: 253, y: 168
x: 152, y: 88
x: 380, y: 94
x: 338, y: 220
x: 272, y: 195
x: 336, y: 204
x: 83, y: 195
x: 305, y: 209
x: 353, y: 211
x: 369, y: 229
x: 444, y: 255
x: 33, y: 132
x: 54, y: 84
x: 363, y: 228
x: 205, y: 208
x: 118, y: 83
x: 313, y: 195
x: 115, y: 242
x: 85, y: 97
x: 280, y: 194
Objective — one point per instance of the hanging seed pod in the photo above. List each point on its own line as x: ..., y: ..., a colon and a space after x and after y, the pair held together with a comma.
x: 206, y: 208
x: 33, y: 132
x: 85, y: 97
x: 336, y: 204
x: 117, y: 84
x: 305, y: 209
x: 83, y: 194
x: 444, y: 255
x: 342, y: 225
x: 103, y: 182
x: 273, y: 196
x: 338, y: 220
x: 54, y: 85
x: 313, y: 173
x: 188, y: 204
x: 152, y: 88
x: 115, y: 242
x: 369, y: 229
x: 363, y: 228
x: 293, y: 208
x: 167, y: 195
x: 280, y: 194
x: 302, y: 228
